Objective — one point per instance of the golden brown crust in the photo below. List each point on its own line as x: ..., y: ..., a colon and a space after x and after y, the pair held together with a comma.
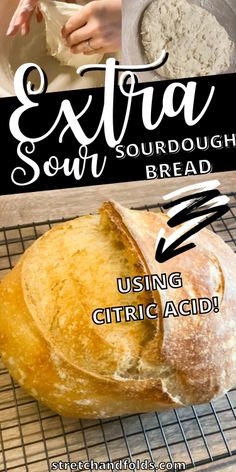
x: 182, y: 360
x: 200, y: 349
x: 49, y: 378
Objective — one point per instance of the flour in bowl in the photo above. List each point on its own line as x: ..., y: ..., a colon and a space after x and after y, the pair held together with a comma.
x: 197, y: 44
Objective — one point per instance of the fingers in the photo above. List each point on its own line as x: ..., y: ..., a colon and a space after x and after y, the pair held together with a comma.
x: 24, y: 29
x: 19, y: 22
x: 21, y: 17
x: 99, y: 22
x: 12, y: 30
x: 38, y: 14
x: 89, y: 46
x: 91, y: 53
x: 81, y: 48
x: 78, y: 36
x: 75, y: 22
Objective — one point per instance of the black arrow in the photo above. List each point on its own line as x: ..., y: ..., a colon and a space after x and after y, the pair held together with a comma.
x: 163, y: 255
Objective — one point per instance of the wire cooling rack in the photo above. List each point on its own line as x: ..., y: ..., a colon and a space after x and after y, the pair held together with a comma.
x: 32, y: 436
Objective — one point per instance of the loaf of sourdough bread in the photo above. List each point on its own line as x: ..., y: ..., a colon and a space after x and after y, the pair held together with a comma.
x: 55, y: 351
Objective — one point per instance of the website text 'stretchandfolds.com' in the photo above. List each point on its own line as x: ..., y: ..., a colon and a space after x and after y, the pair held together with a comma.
x: 124, y: 464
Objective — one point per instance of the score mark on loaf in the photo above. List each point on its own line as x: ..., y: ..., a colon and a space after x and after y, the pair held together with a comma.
x: 53, y: 349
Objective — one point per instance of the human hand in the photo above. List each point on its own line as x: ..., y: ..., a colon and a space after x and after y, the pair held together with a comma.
x: 22, y: 16
x: 94, y: 29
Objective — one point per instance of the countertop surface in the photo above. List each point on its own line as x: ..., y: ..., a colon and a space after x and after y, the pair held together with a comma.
x: 50, y: 205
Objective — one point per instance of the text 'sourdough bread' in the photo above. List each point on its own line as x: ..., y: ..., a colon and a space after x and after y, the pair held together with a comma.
x: 56, y: 14
x: 53, y: 349
x: 197, y: 44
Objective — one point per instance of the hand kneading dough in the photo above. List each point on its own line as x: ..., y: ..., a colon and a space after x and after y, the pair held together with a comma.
x: 197, y: 44
x: 56, y: 14
x: 53, y: 349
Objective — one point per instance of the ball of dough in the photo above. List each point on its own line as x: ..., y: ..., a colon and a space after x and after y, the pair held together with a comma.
x: 197, y: 44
